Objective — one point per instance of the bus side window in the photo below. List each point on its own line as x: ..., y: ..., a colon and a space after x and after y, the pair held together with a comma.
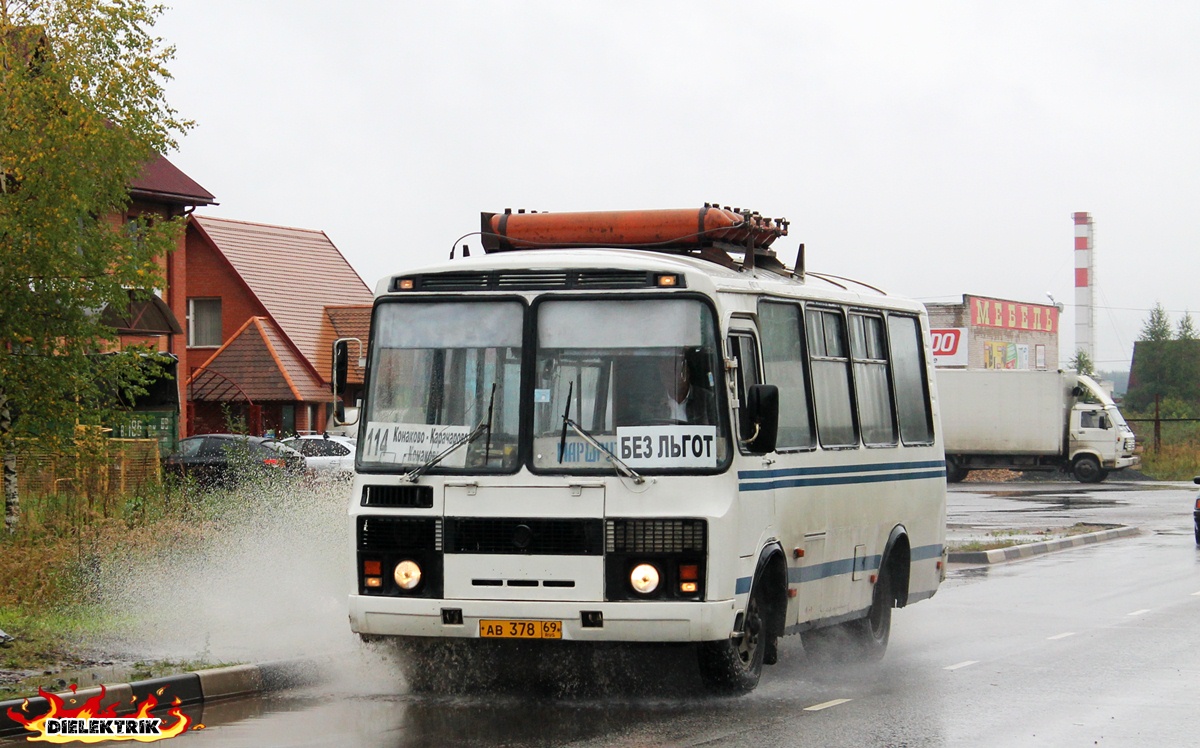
x: 743, y: 349
x: 782, y: 332
x: 872, y: 381
x: 832, y: 387
x: 909, y: 375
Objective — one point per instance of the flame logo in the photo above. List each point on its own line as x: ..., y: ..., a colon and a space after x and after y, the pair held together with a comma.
x: 90, y: 710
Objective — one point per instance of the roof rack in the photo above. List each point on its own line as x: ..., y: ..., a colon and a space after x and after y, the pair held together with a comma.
x: 713, y: 233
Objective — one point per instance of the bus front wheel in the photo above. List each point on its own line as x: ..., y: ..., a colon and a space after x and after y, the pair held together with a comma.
x: 734, y: 665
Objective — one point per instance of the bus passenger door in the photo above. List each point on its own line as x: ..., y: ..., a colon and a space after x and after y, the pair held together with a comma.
x: 756, y: 497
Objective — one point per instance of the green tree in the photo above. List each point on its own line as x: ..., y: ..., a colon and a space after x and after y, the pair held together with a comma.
x: 1186, y: 329
x: 1158, y: 325
x: 1184, y: 363
x: 1148, y: 374
x: 1083, y: 364
x: 82, y: 110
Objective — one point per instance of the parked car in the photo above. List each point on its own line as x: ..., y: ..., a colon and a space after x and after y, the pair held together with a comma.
x: 1196, y: 514
x: 328, y: 455
x: 221, y: 459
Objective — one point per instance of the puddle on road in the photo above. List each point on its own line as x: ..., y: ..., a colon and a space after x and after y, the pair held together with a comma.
x: 1056, y: 500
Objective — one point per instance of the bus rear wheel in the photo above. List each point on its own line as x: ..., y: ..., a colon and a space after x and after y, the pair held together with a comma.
x: 871, y: 634
x: 734, y: 666
x: 861, y: 640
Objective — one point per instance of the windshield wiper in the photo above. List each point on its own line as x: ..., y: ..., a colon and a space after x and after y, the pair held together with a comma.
x: 617, y: 463
x: 485, y: 425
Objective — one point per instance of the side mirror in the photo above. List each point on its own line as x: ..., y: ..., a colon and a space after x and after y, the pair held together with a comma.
x: 340, y: 376
x: 762, y: 408
x: 341, y: 366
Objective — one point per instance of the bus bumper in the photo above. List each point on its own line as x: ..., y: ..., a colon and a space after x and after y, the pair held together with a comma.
x: 639, y: 621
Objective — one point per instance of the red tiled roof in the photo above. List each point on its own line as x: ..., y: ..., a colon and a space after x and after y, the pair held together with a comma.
x: 162, y: 181
x: 265, y: 368
x: 345, y: 322
x: 294, y: 274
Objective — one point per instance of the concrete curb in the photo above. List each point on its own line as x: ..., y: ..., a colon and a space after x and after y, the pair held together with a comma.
x: 190, y: 688
x: 1029, y: 550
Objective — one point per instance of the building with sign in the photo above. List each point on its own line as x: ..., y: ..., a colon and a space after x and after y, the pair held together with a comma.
x: 989, y: 333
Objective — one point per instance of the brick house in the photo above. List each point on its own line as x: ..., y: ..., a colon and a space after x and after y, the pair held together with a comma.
x: 262, y: 305
x: 250, y: 312
x: 161, y: 192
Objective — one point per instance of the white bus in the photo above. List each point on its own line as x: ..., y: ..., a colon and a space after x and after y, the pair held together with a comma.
x: 642, y: 427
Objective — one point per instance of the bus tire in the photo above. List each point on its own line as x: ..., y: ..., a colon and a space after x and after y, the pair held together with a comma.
x: 954, y: 472
x: 734, y: 666
x: 870, y: 635
x: 861, y: 640
x: 1087, y: 469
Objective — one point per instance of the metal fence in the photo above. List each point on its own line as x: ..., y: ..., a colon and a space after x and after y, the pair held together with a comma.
x: 97, y: 469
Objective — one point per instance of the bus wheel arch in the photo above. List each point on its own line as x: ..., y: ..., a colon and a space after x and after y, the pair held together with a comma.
x: 897, y: 562
x: 771, y: 572
x: 734, y: 665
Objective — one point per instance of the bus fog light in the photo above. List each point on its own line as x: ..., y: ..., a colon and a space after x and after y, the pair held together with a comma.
x: 688, y: 587
x: 644, y: 578
x: 373, y: 581
x: 407, y: 574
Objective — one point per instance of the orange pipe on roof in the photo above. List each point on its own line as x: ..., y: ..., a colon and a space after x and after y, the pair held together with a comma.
x: 679, y: 227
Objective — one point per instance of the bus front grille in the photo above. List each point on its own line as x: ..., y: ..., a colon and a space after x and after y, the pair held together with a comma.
x: 409, y: 497
x: 407, y: 534
x: 538, y: 537
x: 655, y: 535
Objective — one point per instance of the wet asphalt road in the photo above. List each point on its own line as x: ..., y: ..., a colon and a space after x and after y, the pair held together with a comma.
x: 1091, y: 646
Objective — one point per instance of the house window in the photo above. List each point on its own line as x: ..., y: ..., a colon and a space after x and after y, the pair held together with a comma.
x: 204, y: 323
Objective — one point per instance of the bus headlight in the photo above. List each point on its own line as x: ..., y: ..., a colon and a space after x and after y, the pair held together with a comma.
x: 644, y: 578
x: 407, y: 575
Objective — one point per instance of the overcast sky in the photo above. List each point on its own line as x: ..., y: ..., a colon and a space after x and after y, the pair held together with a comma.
x: 932, y: 148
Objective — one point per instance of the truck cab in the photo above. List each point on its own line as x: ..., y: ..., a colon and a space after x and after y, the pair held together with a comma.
x: 1099, y: 439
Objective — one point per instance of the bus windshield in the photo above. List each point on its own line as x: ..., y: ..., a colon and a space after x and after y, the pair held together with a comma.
x: 638, y: 375
x: 438, y: 371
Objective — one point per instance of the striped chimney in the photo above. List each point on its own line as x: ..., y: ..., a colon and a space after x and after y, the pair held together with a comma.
x: 1085, y: 281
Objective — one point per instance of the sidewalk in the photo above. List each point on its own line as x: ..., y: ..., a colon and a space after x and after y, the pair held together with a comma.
x: 1024, y: 543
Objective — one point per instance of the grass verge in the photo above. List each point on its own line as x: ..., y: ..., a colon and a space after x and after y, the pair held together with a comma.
x: 50, y: 570
x: 1011, y: 537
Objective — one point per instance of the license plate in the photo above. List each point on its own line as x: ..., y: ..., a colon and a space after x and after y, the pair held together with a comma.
x: 506, y: 629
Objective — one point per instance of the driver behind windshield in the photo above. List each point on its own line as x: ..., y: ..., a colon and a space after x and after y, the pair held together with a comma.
x: 683, y: 396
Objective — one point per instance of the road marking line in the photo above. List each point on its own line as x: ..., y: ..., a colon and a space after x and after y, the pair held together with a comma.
x: 1138, y: 612
x: 967, y: 663
x: 1060, y: 636
x: 826, y: 705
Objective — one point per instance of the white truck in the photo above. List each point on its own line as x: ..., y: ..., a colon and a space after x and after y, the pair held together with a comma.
x: 1031, y: 420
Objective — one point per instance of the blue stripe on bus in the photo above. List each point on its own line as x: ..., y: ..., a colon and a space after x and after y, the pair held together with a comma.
x: 834, y: 469
x: 816, y: 572
x: 834, y: 480
x: 924, y: 552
